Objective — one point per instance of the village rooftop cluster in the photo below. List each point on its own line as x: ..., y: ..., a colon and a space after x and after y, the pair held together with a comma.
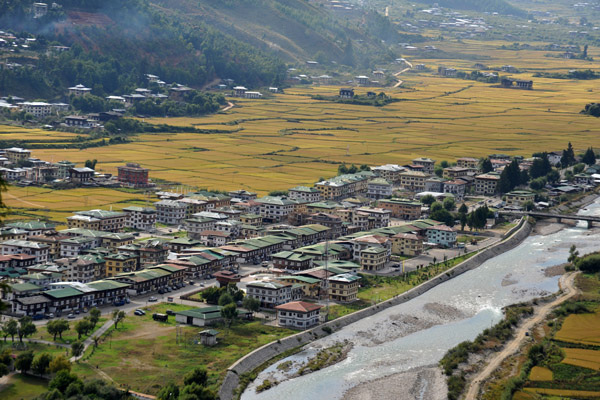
x: 313, y: 240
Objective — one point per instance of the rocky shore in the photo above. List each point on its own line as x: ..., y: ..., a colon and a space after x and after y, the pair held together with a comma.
x: 426, y: 383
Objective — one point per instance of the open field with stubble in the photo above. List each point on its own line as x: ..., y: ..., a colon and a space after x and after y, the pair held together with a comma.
x: 291, y: 139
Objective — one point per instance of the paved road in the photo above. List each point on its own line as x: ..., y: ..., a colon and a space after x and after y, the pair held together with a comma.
x: 567, y: 283
x: 89, y: 341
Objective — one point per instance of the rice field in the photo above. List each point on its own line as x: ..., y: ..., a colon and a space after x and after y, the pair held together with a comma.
x: 581, y: 328
x: 290, y: 139
x: 582, y: 358
x: 540, y: 374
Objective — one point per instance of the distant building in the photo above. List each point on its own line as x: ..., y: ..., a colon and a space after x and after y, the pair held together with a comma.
x: 305, y: 194
x: 442, y: 235
x: 142, y: 218
x: 39, y: 10
x: 346, y: 93
x: 38, y: 109
x: 134, y: 175
x: 170, y: 212
x: 79, y: 90
x: 240, y: 91
x: 402, y: 208
x: 486, y: 184
x: 81, y: 175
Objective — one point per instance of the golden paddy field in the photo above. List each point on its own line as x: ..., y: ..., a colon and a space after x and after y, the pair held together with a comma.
x: 289, y: 139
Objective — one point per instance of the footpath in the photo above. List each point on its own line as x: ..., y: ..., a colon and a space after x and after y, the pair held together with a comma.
x: 568, y: 286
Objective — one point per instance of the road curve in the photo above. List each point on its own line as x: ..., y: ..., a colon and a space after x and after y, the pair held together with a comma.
x: 569, y: 290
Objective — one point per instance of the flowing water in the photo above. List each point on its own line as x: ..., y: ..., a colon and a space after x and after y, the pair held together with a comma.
x: 462, y: 308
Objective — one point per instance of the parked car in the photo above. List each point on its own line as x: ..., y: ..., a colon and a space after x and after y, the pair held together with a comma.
x: 161, y: 291
x: 160, y: 317
x: 152, y: 299
x: 127, y: 300
x: 170, y: 312
x: 191, y: 282
x: 139, y: 312
x: 37, y: 317
x: 77, y: 312
x: 119, y: 303
x: 50, y: 315
x: 71, y: 316
x: 85, y: 309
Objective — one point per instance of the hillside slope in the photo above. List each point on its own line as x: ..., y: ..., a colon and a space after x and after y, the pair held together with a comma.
x: 194, y: 42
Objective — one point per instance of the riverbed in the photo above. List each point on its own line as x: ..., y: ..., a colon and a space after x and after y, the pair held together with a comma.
x: 396, y: 351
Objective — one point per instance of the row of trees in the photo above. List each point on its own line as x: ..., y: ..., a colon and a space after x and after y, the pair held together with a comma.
x: 343, y: 169
x: 194, y: 388
x: 443, y: 212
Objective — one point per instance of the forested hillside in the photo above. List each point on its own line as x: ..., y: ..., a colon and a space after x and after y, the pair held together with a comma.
x: 115, y: 42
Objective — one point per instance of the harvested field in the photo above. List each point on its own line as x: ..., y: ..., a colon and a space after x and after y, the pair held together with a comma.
x: 582, y: 358
x: 581, y: 328
x: 540, y: 374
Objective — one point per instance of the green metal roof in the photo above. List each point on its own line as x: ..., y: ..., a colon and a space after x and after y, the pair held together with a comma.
x: 62, y: 293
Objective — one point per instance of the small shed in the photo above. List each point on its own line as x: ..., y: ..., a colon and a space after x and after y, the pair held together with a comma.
x: 208, y: 337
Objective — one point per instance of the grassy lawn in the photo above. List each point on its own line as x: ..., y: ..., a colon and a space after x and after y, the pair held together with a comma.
x: 375, y: 289
x: 35, y: 347
x: 68, y: 336
x: 23, y: 387
x: 470, y: 238
x: 145, y: 354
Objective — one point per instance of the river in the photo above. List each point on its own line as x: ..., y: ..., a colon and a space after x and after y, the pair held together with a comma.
x: 415, y: 335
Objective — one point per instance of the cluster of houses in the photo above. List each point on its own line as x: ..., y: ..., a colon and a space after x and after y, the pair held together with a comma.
x: 314, y: 238
x: 17, y: 166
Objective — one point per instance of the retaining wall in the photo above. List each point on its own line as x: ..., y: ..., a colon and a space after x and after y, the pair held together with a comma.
x: 273, y: 349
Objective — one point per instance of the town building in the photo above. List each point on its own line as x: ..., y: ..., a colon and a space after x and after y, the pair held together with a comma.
x: 344, y: 287
x: 389, y: 172
x: 101, y: 220
x: 346, y: 93
x: 456, y: 187
x: 305, y: 194
x: 427, y: 164
x: 407, y: 244
x: 288, y: 260
x: 379, y: 188
x: 170, y: 212
x: 275, y: 209
x: 273, y: 293
x: 374, y: 258
x: 17, y: 154
x: 243, y: 195
x: 38, y: 109
x: 39, y: 250
x: 133, y: 175
x: 81, y: 175
x: 487, y: 184
x: 402, y: 208
x: 441, y: 235
x: 79, y: 90
x: 344, y: 186
x: 298, y: 314
x: 142, y: 218
x: 413, y: 180
x: 467, y: 162
x: 119, y: 263
x: 519, y: 197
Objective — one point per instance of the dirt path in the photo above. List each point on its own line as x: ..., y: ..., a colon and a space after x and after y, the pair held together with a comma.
x: 567, y: 284
x: 230, y: 105
x: 397, y: 74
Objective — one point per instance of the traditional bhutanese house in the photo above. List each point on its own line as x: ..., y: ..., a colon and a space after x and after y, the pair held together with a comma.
x: 311, y: 287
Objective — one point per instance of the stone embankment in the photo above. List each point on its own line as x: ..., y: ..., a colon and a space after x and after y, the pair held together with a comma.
x: 263, y: 354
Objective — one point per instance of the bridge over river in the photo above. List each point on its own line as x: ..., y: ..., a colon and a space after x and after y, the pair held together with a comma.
x: 590, y: 219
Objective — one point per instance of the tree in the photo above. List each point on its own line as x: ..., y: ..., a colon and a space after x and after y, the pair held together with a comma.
x: 95, y: 314
x: 211, y: 295
x: 463, y: 209
x: 41, y: 363
x: 568, y: 156
x: 528, y: 205
x: 342, y: 169
x: 442, y: 215
x: 540, y: 166
x: 463, y: 221
x: 26, y: 328
x: 436, y: 206
x: 229, y: 313
x: 10, y: 328
x: 91, y: 163
x: 225, y: 299
x: 83, y: 327
x: 538, y: 183
x: 118, y: 316
x: 197, y: 375
x: 573, y: 255
x: 486, y: 165
x: 4, y: 286
x: 4, y: 369
x: 63, y: 379
x: 232, y: 289
x: 589, y: 157
x: 59, y: 363
x: 449, y: 203
x: 195, y: 391
x: 251, y: 304
x: 553, y: 176
x: 439, y: 171
x: 169, y: 392
x: 24, y: 361
x: 57, y: 327
x: 444, y: 164
x: 77, y: 348
x: 427, y: 199
x: 590, y: 263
